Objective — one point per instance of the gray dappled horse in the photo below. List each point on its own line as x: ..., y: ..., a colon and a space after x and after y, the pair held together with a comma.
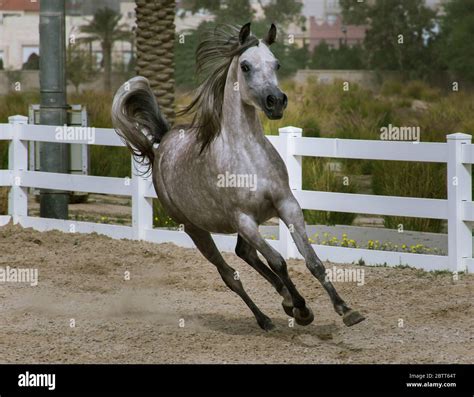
x: 226, y: 137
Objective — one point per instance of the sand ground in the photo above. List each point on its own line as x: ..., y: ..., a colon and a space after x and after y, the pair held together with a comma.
x: 82, y: 277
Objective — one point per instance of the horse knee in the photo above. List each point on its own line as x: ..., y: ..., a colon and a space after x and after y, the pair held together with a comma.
x: 317, y: 269
x: 278, y: 265
x: 231, y: 279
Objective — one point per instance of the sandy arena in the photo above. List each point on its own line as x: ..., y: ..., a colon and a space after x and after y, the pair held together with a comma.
x: 82, y: 277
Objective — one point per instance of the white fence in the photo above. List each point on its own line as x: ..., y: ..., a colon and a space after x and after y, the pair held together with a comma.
x: 458, y: 209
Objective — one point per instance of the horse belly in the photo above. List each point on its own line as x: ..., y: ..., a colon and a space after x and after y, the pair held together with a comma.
x: 191, y: 201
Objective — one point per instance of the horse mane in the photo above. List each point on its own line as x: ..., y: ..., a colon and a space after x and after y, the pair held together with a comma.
x: 214, y: 56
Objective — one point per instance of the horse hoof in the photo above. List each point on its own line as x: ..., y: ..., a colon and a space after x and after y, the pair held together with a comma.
x: 266, y: 324
x: 288, y: 310
x: 303, y: 316
x: 352, y: 317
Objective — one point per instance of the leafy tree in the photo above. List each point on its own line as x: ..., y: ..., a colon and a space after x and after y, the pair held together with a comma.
x: 185, y: 59
x: 80, y: 68
x: 225, y: 11
x: 283, y: 12
x: 237, y: 12
x: 105, y: 28
x: 399, y: 35
x: 344, y: 57
x: 322, y: 57
x: 32, y: 63
x: 457, y: 32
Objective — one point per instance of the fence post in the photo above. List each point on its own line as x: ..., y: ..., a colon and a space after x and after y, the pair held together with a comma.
x: 459, y: 190
x: 142, y: 207
x: 17, y: 162
x: 294, y: 167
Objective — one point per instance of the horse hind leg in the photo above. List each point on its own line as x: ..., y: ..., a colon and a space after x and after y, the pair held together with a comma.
x: 249, y: 254
x: 207, y: 247
x: 248, y: 229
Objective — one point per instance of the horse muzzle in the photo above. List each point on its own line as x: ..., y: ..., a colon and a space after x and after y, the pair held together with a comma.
x: 274, y: 105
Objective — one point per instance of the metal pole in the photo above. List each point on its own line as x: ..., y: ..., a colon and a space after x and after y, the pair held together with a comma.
x: 54, y: 157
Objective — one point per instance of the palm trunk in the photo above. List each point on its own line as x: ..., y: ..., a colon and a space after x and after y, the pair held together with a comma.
x: 155, y: 49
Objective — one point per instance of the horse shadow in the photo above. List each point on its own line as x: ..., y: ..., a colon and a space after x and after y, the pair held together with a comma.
x: 241, y: 326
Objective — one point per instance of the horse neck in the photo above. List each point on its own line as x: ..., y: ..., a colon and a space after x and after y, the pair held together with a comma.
x: 240, y: 121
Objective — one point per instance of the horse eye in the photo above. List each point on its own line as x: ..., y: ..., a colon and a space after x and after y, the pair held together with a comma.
x: 245, y: 68
x: 278, y: 66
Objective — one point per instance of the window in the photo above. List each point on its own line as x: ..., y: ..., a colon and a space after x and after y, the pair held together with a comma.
x: 126, y: 57
x: 97, y: 55
x: 332, y: 19
x: 27, y: 51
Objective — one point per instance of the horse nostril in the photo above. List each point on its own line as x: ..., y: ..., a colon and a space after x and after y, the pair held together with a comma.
x: 271, y: 101
x: 285, y: 101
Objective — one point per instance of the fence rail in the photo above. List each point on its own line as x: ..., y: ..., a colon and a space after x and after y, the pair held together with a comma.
x: 457, y: 209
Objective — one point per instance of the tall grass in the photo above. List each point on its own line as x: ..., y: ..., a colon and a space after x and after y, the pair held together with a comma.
x: 12, y: 104
x: 318, y: 176
x: 445, y: 115
x: 360, y: 113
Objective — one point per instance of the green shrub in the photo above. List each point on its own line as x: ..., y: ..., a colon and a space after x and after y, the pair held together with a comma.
x: 321, y: 110
x: 417, y: 89
x: 11, y: 104
x: 161, y: 217
x: 391, y: 87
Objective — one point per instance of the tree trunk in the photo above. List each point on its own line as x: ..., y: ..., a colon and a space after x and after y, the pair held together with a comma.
x: 155, y: 49
x: 107, y: 54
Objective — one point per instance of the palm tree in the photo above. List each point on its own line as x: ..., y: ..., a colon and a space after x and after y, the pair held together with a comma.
x: 106, y: 29
x: 155, y: 35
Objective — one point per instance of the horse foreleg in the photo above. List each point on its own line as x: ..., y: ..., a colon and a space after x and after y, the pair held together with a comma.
x: 205, y: 244
x: 290, y: 212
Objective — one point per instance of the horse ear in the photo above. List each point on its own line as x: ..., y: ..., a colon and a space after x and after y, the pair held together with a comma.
x: 271, y: 35
x: 244, y: 33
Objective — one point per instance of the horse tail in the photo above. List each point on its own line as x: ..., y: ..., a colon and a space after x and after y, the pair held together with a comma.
x: 137, y: 119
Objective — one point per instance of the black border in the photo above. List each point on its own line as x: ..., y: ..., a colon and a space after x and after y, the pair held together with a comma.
x: 219, y: 379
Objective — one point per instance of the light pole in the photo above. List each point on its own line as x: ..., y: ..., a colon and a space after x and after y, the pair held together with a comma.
x: 54, y: 156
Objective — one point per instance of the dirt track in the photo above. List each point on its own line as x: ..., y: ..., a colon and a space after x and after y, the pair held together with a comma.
x: 137, y: 321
